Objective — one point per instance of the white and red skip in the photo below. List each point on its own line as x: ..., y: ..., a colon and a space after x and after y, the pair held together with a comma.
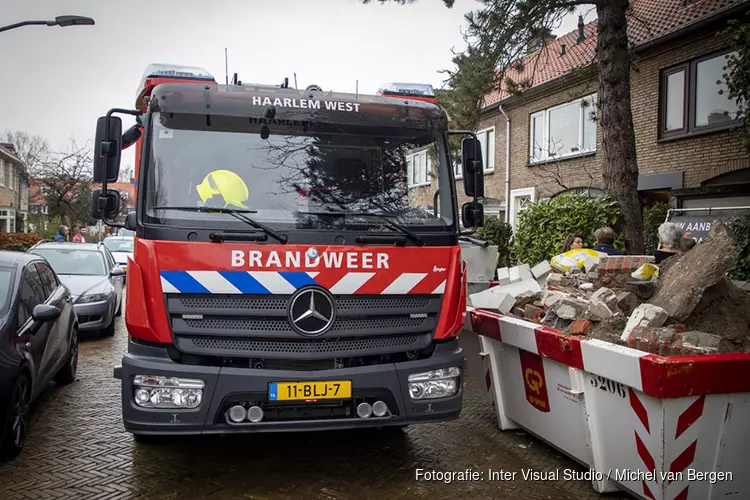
x: 662, y: 428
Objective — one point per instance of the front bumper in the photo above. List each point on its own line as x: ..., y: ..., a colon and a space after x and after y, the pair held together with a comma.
x: 94, y: 315
x: 224, y: 384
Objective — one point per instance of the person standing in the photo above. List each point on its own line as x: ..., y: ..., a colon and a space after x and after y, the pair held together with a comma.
x: 77, y: 236
x: 62, y: 234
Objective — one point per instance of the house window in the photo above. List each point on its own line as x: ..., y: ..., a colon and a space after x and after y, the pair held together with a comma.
x: 563, y: 131
x: 694, y: 97
x: 419, y: 168
x: 7, y: 221
x: 487, y: 140
x: 457, y: 169
x: 2, y: 173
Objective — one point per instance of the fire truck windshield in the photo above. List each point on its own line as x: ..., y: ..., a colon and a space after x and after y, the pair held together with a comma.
x: 286, y: 173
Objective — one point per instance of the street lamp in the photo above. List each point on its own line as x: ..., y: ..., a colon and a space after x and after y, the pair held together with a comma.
x: 61, y: 21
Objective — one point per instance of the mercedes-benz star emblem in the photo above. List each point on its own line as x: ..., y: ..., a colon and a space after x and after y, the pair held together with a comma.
x: 312, y: 253
x: 311, y: 311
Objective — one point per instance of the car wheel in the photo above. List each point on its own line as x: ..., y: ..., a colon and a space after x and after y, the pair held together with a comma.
x: 110, y: 330
x: 119, y: 309
x: 67, y: 373
x: 145, y: 438
x: 16, y: 418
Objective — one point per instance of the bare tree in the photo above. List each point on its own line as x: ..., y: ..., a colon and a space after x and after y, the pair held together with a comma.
x: 33, y: 150
x: 64, y: 179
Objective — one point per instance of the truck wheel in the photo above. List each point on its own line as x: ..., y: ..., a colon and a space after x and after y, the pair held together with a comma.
x: 67, y: 373
x: 14, y: 435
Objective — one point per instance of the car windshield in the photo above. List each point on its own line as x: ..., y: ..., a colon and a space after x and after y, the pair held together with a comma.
x: 6, y: 287
x: 74, y: 261
x: 282, y: 173
x: 119, y: 244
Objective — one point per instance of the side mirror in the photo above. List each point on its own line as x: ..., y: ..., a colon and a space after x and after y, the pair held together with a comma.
x: 107, y: 149
x: 472, y: 214
x: 471, y: 164
x: 105, y: 205
x: 130, y: 222
x: 43, y: 313
x: 117, y: 271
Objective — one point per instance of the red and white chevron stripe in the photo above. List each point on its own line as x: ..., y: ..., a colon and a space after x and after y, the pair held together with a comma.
x: 657, y: 376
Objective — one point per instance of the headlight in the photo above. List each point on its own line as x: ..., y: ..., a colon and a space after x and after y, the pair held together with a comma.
x: 434, y: 384
x: 152, y: 391
x: 96, y: 297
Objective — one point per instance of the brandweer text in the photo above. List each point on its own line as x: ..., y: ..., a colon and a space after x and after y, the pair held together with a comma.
x: 347, y: 260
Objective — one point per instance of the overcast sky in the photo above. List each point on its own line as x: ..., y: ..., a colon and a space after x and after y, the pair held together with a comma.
x: 56, y: 81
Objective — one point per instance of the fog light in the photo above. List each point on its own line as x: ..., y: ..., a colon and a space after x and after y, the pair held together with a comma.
x: 152, y: 391
x: 434, y: 384
x: 364, y: 410
x: 255, y: 414
x: 379, y: 409
x: 237, y: 414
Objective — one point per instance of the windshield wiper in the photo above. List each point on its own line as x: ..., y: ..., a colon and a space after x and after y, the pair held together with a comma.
x: 387, y: 218
x: 237, y: 214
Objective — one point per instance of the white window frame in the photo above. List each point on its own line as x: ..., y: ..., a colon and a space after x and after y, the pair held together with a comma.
x: 514, y: 195
x: 458, y: 171
x: 544, y: 114
x: 488, y: 160
x: 11, y: 180
x: 427, y: 161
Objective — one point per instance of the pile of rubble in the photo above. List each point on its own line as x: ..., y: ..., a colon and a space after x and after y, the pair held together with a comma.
x: 692, y: 308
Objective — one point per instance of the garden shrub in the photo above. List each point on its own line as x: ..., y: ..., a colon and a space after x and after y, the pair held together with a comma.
x: 499, y: 233
x: 19, y: 242
x: 543, y: 227
x: 741, y: 227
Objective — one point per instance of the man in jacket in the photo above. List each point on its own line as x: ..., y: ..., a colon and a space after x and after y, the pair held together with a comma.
x: 605, y: 241
x: 62, y: 234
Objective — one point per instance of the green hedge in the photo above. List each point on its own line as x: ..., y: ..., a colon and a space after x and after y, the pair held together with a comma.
x: 499, y: 233
x: 544, y: 226
x: 741, y: 227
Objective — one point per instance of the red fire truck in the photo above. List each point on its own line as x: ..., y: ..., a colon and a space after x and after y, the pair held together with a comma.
x: 248, y: 310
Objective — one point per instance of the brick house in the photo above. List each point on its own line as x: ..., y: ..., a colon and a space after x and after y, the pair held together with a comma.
x: 14, y: 191
x: 688, y: 148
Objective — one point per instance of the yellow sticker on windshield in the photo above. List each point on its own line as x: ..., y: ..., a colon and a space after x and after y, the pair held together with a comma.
x: 227, y: 184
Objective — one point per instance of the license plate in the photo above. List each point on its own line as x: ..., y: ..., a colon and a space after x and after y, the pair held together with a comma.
x: 300, y: 391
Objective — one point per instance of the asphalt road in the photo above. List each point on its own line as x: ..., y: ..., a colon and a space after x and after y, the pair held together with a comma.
x: 78, y: 449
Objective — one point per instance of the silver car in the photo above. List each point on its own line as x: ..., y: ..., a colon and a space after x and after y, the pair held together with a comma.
x: 122, y: 249
x: 93, y: 277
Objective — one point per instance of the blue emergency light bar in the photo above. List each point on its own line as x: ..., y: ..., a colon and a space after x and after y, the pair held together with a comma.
x: 419, y: 90
x: 157, y: 70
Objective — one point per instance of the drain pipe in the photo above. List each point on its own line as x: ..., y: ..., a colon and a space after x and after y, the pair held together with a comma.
x: 507, y: 163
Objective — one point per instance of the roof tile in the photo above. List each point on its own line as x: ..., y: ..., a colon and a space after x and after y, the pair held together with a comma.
x: 648, y: 20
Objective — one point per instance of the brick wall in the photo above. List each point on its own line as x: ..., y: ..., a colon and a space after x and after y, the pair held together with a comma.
x: 700, y: 157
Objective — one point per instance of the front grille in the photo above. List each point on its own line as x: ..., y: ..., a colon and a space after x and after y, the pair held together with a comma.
x: 262, y: 347
x: 257, y: 326
x: 282, y: 325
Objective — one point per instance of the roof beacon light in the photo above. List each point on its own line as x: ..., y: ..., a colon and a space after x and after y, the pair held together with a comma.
x: 156, y: 74
x: 419, y: 91
x: 174, y: 71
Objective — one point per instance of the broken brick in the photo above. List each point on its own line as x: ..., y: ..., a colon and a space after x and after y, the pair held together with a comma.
x: 619, y: 264
x: 580, y: 327
x: 532, y: 312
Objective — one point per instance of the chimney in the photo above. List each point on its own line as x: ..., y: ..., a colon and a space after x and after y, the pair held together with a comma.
x: 562, y: 49
x: 581, y: 35
x: 539, y: 40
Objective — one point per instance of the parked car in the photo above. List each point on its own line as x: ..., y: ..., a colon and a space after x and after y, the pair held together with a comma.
x: 38, y: 341
x: 122, y: 249
x: 95, y: 281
